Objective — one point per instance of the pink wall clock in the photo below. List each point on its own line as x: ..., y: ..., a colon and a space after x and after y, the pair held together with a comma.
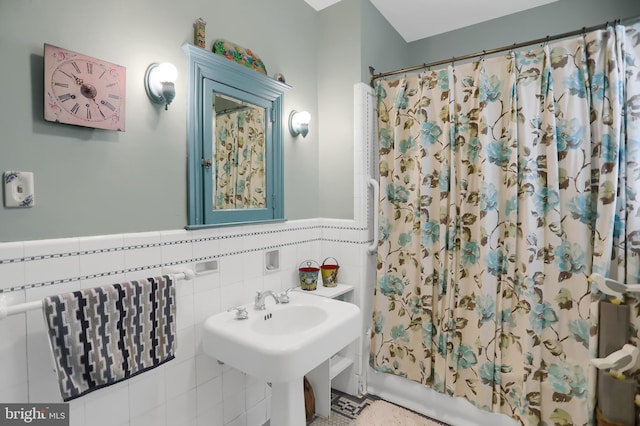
x: 82, y: 90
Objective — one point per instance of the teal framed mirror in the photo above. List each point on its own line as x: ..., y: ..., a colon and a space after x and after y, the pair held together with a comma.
x: 235, y: 143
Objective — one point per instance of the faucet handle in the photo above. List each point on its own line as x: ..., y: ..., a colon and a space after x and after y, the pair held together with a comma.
x: 241, y: 312
x: 284, y: 296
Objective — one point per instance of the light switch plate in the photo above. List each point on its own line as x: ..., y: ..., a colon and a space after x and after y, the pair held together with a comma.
x: 18, y: 189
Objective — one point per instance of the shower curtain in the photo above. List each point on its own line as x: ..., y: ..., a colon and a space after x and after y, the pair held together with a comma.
x: 504, y: 184
x: 239, y: 154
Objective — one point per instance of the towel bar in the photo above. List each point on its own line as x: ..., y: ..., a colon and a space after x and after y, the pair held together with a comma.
x: 6, y: 311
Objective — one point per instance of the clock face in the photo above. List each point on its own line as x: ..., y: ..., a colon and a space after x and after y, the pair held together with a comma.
x: 82, y: 90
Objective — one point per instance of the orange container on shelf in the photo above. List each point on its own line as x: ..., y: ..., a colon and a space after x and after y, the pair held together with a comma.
x: 329, y: 272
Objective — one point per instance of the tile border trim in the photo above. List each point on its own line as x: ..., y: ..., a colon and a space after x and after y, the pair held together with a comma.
x: 174, y: 263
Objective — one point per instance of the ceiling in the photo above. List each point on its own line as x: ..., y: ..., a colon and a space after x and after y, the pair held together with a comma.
x: 417, y: 19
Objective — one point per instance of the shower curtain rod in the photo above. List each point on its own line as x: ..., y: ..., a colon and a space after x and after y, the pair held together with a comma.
x: 513, y: 46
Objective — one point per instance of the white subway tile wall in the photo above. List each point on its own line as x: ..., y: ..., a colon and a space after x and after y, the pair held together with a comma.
x: 193, y: 389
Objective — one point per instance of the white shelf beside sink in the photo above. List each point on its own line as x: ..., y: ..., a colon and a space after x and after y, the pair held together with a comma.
x: 338, y: 364
x: 330, y: 292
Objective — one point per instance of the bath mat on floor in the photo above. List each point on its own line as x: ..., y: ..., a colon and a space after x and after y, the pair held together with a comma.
x: 346, y: 408
x: 350, y: 406
x: 383, y: 413
x: 103, y: 335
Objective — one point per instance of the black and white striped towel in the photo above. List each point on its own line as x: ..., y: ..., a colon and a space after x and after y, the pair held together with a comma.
x: 103, y: 335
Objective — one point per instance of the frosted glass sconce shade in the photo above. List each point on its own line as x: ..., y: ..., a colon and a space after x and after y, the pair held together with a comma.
x: 299, y: 123
x: 159, y: 82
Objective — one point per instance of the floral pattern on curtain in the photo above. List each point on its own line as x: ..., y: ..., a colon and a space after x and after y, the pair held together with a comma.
x: 499, y: 196
x: 626, y: 232
x: 239, y: 158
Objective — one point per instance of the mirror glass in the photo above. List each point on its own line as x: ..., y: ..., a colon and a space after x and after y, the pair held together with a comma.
x: 238, y: 147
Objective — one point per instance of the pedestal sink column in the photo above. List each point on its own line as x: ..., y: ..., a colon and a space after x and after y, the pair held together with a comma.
x: 287, y: 403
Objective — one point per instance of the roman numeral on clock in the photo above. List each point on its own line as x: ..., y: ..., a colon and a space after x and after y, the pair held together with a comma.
x: 65, y: 97
x: 108, y: 105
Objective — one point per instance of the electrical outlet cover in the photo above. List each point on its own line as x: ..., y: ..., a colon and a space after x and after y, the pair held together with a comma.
x: 18, y: 189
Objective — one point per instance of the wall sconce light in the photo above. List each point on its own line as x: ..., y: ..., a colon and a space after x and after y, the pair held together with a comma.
x: 159, y: 83
x: 299, y: 123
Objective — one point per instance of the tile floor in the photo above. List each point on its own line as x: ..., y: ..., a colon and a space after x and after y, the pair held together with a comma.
x: 346, y: 408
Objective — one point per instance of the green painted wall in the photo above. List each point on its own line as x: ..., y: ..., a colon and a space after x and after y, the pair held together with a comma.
x: 93, y: 182
x: 339, y: 65
x: 353, y: 35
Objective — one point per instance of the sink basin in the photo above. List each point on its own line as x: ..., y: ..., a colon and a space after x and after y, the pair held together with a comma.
x: 284, y: 341
x: 294, y: 319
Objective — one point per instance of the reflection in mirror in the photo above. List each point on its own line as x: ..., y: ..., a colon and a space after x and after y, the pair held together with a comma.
x: 238, y: 147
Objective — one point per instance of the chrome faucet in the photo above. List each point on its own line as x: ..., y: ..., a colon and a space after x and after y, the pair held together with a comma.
x: 284, y: 296
x: 261, y: 296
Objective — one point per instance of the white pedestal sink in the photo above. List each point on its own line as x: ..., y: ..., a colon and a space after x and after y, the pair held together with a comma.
x: 282, y: 343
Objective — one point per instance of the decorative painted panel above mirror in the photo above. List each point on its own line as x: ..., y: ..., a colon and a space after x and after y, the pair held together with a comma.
x: 234, y: 126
